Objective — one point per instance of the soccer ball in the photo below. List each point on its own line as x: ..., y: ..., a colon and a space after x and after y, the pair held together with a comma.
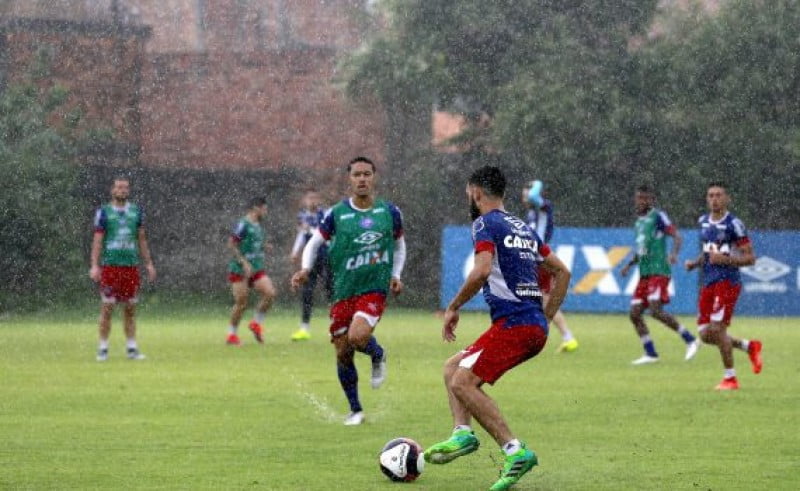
x: 401, y: 459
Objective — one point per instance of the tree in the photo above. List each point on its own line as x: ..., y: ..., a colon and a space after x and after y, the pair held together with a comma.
x: 40, y: 216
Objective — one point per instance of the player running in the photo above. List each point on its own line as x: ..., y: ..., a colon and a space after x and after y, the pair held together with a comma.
x: 726, y: 248
x: 308, y: 220
x: 246, y: 270
x: 508, y: 257
x: 366, y: 254
x: 118, y: 244
x: 652, y: 229
x: 540, y: 219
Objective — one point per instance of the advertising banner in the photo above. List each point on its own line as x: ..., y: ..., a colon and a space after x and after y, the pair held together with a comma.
x: 596, y: 255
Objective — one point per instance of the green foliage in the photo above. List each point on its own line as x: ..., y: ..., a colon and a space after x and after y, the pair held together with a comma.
x: 40, y: 216
x: 580, y: 96
x: 197, y: 414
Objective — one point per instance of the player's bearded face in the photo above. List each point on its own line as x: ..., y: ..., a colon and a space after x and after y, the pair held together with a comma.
x: 474, y: 211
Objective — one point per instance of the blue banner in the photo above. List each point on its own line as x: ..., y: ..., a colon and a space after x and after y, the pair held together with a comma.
x: 596, y: 255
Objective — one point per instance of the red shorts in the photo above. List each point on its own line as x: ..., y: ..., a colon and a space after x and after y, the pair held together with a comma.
x: 545, y: 280
x: 119, y: 283
x: 371, y: 305
x: 500, y: 349
x: 716, y: 302
x: 236, y: 278
x: 651, y: 289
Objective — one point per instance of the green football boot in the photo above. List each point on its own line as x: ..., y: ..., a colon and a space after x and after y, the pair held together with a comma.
x: 515, y: 467
x: 461, y: 442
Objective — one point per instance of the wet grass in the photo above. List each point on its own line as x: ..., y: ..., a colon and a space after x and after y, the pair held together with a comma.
x: 201, y: 415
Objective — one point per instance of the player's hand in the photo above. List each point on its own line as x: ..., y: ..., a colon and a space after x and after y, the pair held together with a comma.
x: 689, y: 264
x: 672, y: 258
x: 94, y: 273
x: 624, y: 270
x: 151, y: 272
x: 449, y: 326
x: 248, y: 270
x: 396, y: 286
x: 298, y: 279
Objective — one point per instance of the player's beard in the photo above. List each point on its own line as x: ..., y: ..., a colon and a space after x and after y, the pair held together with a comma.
x: 474, y: 212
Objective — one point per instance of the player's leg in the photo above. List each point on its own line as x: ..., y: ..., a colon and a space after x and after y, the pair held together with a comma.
x: 348, y: 378
x: 568, y: 341
x: 239, y: 291
x: 262, y: 284
x: 368, y: 310
x: 494, y: 353
x: 637, y: 319
x: 362, y: 339
x: 463, y: 440
x: 129, y: 316
x: 307, y: 304
x: 661, y: 315
x: 104, y: 328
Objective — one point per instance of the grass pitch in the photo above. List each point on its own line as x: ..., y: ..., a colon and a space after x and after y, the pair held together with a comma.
x: 198, y: 414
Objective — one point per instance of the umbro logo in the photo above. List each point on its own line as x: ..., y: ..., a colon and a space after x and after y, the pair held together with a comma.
x: 368, y: 238
x: 766, y: 269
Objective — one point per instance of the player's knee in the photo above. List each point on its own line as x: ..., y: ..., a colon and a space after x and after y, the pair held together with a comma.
x: 708, y: 335
x: 635, y: 314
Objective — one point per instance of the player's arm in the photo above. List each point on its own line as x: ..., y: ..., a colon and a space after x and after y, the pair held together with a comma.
x: 398, y: 262
x: 633, y: 261
x: 561, y: 277
x: 744, y: 256
x: 94, y: 255
x: 677, y: 242
x: 691, y: 264
x: 97, y: 244
x: 297, y: 247
x: 472, y: 284
x: 233, y: 247
x: 144, y: 251
x: 310, y: 252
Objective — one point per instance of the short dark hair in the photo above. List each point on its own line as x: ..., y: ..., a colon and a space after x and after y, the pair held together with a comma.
x: 256, y: 202
x: 490, y: 179
x: 717, y: 184
x: 646, y: 189
x: 356, y: 160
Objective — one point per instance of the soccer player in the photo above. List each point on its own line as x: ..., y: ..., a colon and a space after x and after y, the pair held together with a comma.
x: 652, y: 229
x: 119, y: 243
x: 308, y: 220
x: 366, y: 254
x: 246, y: 270
x: 726, y: 248
x: 540, y: 219
x: 508, y: 257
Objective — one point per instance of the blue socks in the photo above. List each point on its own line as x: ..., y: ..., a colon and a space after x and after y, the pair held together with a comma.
x: 686, y: 335
x: 373, y: 349
x: 348, y: 377
x: 649, y: 347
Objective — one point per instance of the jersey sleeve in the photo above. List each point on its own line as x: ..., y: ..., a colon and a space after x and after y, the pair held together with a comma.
x: 397, y: 221
x: 663, y: 223
x: 100, y: 221
x: 739, y: 233
x: 239, y: 231
x: 482, y: 236
x: 327, y: 228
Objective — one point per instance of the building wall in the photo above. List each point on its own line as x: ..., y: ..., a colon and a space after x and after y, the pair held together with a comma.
x: 202, y: 83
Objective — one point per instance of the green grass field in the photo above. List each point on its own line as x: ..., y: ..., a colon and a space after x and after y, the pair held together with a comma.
x: 201, y: 415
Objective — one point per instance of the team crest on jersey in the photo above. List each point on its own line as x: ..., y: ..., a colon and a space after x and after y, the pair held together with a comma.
x: 368, y: 238
x: 366, y: 222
